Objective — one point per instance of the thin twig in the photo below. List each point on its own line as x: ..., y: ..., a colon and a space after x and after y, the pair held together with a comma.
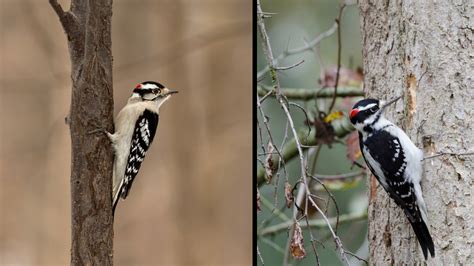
x: 290, y: 66
x: 260, y: 256
x: 305, y: 116
x: 267, y: 48
x: 333, y: 200
x: 290, y: 151
x: 266, y: 95
x: 337, y: 240
x: 307, y: 47
x: 310, y: 93
x: 313, y: 240
x: 339, y: 49
x: 280, y: 162
x: 357, y: 257
x: 318, y: 223
x: 448, y: 153
x: 267, y: 126
x: 339, y: 177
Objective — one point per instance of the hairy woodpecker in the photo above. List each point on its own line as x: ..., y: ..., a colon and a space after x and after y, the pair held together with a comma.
x: 396, y: 163
x: 135, y: 128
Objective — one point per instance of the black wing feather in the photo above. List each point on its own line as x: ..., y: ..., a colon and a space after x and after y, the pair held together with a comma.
x: 388, y: 152
x: 383, y: 147
x: 143, y: 135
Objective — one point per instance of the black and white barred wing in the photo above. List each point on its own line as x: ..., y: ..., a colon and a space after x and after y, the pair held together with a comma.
x: 388, y: 163
x: 386, y: 159
x: 144, y: 132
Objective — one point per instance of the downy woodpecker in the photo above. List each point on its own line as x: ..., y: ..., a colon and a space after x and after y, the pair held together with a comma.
x: 135, y: 128
x: 396, y: 163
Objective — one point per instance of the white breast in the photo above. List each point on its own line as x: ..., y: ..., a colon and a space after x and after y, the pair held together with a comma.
x: 121, y: 139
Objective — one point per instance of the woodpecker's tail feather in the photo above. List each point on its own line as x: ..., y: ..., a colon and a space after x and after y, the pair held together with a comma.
x: 114, y: 206
x: 116, y: 196
x: 424, y: 237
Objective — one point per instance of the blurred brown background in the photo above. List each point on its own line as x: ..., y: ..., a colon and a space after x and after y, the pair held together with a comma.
x: 191, y: 202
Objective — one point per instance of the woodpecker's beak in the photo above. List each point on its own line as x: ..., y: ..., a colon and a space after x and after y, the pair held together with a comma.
x: 167, y: 92
x: 384, y: 105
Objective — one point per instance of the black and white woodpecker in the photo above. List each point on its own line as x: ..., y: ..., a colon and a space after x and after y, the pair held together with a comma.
x: 396, y: 163
x: 135, y: 128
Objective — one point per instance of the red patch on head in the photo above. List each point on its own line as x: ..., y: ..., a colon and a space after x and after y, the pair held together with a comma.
x: 139, y: 86
x: 353, y: 113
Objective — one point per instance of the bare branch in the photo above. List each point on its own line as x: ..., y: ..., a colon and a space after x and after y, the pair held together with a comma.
x: 260, y: 256
x: 267, y: 126
x: 291, y: 66
x: 447, y: 153
x: 307, y: 47
x: 339, y: 48
x: 57, y: 8
x: 355, y: 256
x: 267, y: 49
x: 68, y: 22
x: 339, y: 177
x: 312, y: 93
x: 337, y: 240
x: 318, y: 223
x: 341, y: 129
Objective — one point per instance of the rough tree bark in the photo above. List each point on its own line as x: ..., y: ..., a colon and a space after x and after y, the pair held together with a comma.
x: 423, y: 51
x: 88, y: 29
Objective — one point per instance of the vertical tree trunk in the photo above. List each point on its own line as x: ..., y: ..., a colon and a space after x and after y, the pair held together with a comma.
x: 423, y: 51
x: 88, y: 28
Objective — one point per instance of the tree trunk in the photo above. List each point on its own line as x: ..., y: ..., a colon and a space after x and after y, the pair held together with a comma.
x: 88, y: 28
x: 421, y: 50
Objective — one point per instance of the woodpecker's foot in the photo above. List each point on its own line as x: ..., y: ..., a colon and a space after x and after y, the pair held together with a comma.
x: 103, y: 131
x: 98, y: 130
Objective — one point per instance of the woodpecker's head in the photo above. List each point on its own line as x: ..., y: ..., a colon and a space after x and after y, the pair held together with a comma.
x: 367, y: 112
x: 151, y: 91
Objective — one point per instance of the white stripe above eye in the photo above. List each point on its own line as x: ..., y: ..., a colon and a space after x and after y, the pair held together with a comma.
x: 367, y: 107
x: 149, y: 86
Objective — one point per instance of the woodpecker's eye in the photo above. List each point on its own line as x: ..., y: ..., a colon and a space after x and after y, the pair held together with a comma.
x: 373, y: 109
x: 155, y: 91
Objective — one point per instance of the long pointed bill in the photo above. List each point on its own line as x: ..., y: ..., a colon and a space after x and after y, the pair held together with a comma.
x: 168, y: 92
x: 390, y: 102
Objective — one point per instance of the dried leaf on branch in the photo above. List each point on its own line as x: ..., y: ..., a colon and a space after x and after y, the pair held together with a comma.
x: 297, y: 243
x: 269, y: 162
x: 289, y: 195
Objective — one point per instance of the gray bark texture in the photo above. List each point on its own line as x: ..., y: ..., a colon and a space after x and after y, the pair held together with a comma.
x: 423, y: 51
x: 88, y: 28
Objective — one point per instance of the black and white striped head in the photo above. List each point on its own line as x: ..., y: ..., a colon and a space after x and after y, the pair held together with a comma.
x: 151, y: 91
x: 364, y: 110
x: 367, y: 112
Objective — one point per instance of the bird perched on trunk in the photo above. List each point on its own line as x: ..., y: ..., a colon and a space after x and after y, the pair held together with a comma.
x: 135, y: 128
x: 396, y: 163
